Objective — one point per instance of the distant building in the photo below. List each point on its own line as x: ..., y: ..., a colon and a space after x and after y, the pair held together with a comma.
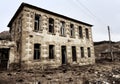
x: 44, y: 38
x: 107, y: 54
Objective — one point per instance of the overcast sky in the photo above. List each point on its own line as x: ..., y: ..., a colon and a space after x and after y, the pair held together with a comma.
x: 99, y: 13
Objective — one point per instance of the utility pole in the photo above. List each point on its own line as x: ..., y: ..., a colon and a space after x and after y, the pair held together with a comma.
x: 110, y: 45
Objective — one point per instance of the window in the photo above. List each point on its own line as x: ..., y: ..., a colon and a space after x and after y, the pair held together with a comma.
x: 18, y: 46
x: 62, y: 28
x: 89, y: 52
x: 51, y: 51
x: 36, y: 23
x: 82, y: 51
x: 51, y: 25
x: 37, y: 51
x: 80, y: 32
x: 87, y: 33
x: 19, y: 25
x: 71, y: 30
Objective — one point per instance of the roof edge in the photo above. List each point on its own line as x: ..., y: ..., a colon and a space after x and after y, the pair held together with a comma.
x: 43, y: 10
x: 16, y: 14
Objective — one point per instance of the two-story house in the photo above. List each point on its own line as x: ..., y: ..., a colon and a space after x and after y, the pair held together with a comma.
x: 44, y: 38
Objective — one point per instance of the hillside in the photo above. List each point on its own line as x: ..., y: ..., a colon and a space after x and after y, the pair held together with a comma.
x: 5, y: 35
x: 103, y: 47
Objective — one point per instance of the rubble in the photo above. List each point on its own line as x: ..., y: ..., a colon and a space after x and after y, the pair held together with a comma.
x: 106, y: 73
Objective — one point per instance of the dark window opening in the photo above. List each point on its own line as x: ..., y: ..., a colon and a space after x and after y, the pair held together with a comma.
x: 51, y: 25
x: 51, y: 51
x: 36, y: 23
x: 89, y: 52
x: 19, y: 24
x: 37, y: 51
x: 87, y: 33
x: 80, y: 32
x: 71, y: 30
x: 18, y: 46
x: 74, y: 53
x: 62, y: 28
x: 82, y: 51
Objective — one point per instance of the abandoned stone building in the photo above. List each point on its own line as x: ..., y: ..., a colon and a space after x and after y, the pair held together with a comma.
x: 44, y: 38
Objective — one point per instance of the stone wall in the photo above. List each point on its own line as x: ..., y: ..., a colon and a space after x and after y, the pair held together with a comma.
x: 10, y: 46
x: 27, y: 37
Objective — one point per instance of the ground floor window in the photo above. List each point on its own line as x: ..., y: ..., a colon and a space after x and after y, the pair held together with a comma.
x: 89, y: 51
x: 37, y: 51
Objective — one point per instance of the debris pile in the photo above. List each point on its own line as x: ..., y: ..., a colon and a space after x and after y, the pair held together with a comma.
x: 106, y: 73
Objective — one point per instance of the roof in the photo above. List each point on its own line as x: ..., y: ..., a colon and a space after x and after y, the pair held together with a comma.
x: 43, y: 10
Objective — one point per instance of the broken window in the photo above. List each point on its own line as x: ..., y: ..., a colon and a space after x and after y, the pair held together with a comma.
x: 87, y: 33
x: 62, y: 28
x: 89, y: 52
x: 71, y: 30
x: 51, y: 25
x: 37, y: 51
x: 80, y: 32
x: 51, y: 51
x: 36, y: 23
x: 74, y: 53
x: 82, y: 51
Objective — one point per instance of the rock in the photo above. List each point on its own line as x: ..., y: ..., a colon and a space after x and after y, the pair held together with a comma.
x: 20, y: 80
x: 9, y: 74
x: 116, y: 76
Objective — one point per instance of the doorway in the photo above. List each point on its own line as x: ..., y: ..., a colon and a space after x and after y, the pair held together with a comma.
x: 74, y: 58
x: 64, y: 54
x: 4, y: 57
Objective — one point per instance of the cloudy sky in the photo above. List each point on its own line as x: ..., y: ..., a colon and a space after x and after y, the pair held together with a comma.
x: 99, y: 13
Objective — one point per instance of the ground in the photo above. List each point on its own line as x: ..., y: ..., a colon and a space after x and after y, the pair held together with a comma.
x: 99, y: 73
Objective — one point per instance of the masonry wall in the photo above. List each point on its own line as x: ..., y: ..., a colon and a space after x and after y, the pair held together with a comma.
x: 7, y: 45
x: 27, y: 37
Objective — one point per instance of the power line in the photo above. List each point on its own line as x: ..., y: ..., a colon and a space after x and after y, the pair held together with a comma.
x: 89, y: 11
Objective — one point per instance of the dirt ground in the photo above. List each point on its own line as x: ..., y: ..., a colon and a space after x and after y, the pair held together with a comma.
x: 99, y: 73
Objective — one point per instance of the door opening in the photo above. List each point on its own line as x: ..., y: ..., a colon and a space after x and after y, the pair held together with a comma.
x: 4, y: 57
x: 64, y: 55
x: 74, y: 58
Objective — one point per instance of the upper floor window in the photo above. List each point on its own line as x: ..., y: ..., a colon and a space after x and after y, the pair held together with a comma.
x: 80, y: 32
x: 37, y: 51
x: 36, y: 22
x: 62, y: 28
x: 51, y: 25
x: 87, y: 33
x: 71, y: 30
x: 19, y: 25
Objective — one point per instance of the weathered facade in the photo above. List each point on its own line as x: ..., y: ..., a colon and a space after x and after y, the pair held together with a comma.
x: 6, y: 54
x: 44, y: 38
